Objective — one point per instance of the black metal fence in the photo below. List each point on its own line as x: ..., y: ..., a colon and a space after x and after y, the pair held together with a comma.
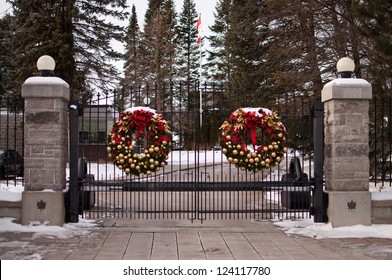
x: 380, y: 135
x: 198, y: 183
x: 11, y: 141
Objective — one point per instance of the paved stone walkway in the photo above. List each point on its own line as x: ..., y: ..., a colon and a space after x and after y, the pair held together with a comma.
x: 214, y: 240
x: 183, y: 240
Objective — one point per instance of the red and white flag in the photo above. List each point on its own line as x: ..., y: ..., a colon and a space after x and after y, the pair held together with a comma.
x: 198, y: 27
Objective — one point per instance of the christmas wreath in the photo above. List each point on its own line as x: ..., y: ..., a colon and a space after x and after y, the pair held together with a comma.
x: 134, y: 126
x: 262, y: 129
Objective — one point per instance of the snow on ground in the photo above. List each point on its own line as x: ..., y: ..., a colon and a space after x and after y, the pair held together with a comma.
x: 306, y: 227
x: 42, y: 230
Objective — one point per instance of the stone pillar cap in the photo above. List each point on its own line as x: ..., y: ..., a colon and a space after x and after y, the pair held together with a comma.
x: 343, y: 88
x: 45, y: 81
x: 47, y: 87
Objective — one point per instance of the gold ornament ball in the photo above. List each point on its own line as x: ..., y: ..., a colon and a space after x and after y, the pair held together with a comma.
x: 121, y: 155
x: 235, y: 152
x: 285, y: 149
x: 265, y: 149
x: 228, y: 137
x: 120, y: 167
x: 151, y: 150
x: 137, y: 168
x: 230, y: 159
x: 132, y: 165
x: 273, y: 154
x: 251, y: 161
x: 164, y: 143
x: 119, y: 147
x: 248, y: 156
x: 254, y: 155
x: 278, y: 159
x: 113, y: 142
x: 267, y: 165
x: 257, y: 159
x: 224, y: 150
x: 127, y: 170
x: 235, y: 160
x: 276, y: 147
x: 163, y: 163
x: 108, y: 149
x: 148, y: 172
x: 280, y: 135
x: 122, y: 161
x: 156, y: 149
x: 270, y: 147
x: 262, y: 163
x: 242, y: 153
x: 156, y: 163
x: 152, y: 166
x: 238, y: 146
x: 267, y: 161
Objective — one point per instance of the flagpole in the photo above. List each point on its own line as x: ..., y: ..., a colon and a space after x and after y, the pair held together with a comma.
x: 200, y: 89
x: 200, y: 71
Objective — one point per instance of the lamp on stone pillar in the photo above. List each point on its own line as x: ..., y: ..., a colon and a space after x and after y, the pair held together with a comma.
x: 346, y: 147
x: 345, y: 67
x: 46, y: 65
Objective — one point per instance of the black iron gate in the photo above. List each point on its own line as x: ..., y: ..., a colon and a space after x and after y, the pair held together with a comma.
x: 198, y: 183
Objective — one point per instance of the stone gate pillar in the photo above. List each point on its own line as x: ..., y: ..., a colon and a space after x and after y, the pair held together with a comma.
x: 46, y: 149
x: 346, y: 122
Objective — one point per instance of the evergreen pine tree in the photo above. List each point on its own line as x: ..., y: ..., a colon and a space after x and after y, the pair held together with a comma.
x: 7, y: 93
x: 244, y: 44
x: 374, y: 20
x: 131, y: 73
x: 188, y: 53
x: 218, y: 57
x: 76, y: 33
x: 157, y: 50
x: 94, y: 31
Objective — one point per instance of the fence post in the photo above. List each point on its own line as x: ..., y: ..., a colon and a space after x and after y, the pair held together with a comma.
x: 346, y: 119
x: 319, y: 197
x: 73, y: 207
x: 46, y: 148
